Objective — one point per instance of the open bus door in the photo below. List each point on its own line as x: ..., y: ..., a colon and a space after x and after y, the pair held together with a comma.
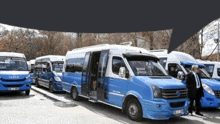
x: 85, y: 75
x: 103, y: 62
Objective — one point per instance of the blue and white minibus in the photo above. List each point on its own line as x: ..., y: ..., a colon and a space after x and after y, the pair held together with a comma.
x: 182, y: 62
x: 125, y: 77
x: 213, y: 68
x: 14, y: 74
x: 48, y: 72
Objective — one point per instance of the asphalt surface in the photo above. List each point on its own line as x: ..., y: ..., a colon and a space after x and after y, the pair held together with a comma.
x: 44, y: 107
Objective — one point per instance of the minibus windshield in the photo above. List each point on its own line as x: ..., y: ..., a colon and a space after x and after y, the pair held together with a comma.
x: 146, y: 68
x: 202, y: 72
x: 209, y: 68
x: 57, y: 66
x: 13, y: 64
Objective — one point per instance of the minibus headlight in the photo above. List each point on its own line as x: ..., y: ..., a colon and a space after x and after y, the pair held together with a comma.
x: 57, y: 78
x: 156, y: 91
x: 28, y: 76
x: 207, y: 89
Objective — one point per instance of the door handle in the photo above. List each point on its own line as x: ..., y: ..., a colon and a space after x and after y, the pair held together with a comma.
x: 111, y: 79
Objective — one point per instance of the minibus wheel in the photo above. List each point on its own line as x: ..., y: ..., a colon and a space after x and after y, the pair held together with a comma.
x: 51, y: 87
x: 74, y: 94
x: 134, y: 110
x: 27, y: 92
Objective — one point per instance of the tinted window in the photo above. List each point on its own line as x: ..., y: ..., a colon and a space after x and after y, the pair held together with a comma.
x: 74, y: 65
x: 173, y: 69
x: 117, y: 62
x: 218, y: 71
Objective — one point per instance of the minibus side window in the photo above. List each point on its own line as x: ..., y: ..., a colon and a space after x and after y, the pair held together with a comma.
x: 173, y: 69
x: 74, y: 65
x: 218, y: 71
x: 117, y: 62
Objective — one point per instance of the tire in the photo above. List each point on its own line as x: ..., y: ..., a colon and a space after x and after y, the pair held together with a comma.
x: 27, y: 92
x: 51, y: 87
x: 74, y: 94
x: 134, y: 110
x: 36, y: 83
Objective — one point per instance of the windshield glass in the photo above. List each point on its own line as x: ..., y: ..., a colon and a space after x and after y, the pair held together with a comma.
x: 202, y: 72
x: 163, y: 62
x: 57, y: 66
x: 209, y: 68
x: 146, y: 68
x: 13, y: 64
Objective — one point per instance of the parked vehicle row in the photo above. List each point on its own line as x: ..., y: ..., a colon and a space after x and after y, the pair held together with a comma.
x: 142, y: 83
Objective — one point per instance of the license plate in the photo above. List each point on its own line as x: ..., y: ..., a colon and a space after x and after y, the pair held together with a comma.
x: 178, y: 112
x: 14, y: 89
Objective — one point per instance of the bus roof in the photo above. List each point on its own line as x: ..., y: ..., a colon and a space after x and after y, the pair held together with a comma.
x: 114, y: 49
x: 162, y: 53
x: 32, y: 61
x: 52, y: 58
x: 12, y: 54
x: 177, y: 57
x: 209, y: 62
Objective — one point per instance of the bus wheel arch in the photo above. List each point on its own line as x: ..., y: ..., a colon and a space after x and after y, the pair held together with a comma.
x: 130, y: 102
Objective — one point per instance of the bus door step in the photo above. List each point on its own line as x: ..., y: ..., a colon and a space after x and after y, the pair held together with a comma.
x: 93, y: 101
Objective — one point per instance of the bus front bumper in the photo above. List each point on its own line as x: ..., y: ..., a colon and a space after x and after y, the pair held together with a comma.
x: 210, y: 101
x: 15, y: 86
x: 57, y: 86
x: 161, y: 109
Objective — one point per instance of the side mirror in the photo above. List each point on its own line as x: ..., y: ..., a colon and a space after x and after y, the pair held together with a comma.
x: 123, y: 73
x: 180, y: 75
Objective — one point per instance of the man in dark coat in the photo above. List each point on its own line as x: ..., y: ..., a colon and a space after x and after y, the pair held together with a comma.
x: 195, y: 89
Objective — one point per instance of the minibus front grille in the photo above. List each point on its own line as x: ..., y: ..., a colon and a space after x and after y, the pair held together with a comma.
x: 8, y: 80
x: 13, y: 85
x: 174, y: 93
x: 177, y: 104
x: 217, y: 94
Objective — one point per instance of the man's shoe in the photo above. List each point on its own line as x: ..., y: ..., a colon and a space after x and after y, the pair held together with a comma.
x: 198, y: 113
x: 190, y: 113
